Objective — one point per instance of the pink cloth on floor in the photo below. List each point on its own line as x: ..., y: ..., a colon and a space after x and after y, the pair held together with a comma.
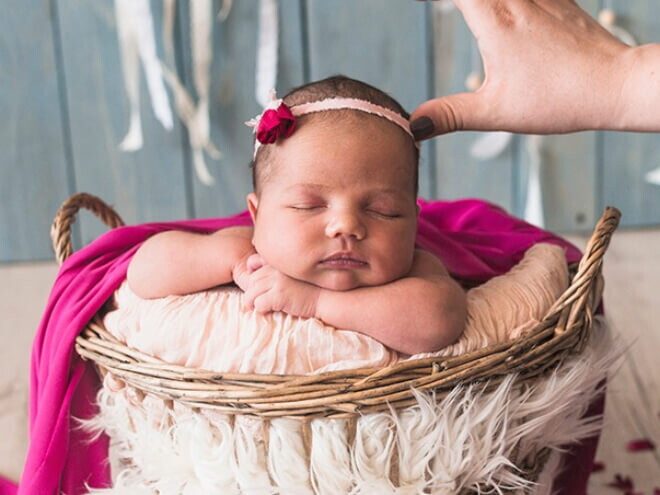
x: 476, y: 241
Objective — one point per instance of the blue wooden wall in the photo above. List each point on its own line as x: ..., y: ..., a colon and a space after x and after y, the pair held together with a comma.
x: 64, y: 112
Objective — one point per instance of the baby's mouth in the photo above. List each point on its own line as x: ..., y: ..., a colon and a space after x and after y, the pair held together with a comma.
x: 344, y: 260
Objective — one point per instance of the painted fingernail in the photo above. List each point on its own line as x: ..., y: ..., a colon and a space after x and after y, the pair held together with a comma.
x: 422, y: 128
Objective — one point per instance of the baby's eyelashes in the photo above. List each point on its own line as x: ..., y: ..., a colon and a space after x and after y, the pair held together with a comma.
x: 385, y: 213
x: 306, y: 207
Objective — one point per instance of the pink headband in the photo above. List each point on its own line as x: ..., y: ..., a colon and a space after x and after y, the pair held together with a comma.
x: 278, y: 120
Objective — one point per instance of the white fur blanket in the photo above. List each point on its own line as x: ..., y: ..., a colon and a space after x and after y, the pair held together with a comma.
x: 470, y: 440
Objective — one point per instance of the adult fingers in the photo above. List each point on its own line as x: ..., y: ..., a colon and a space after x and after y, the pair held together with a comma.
x: 463, y: 111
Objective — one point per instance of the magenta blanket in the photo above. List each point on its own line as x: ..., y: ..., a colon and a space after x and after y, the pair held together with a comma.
x: 475, y: 239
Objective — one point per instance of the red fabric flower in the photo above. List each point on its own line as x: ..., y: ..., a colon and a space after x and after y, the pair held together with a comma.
x: 274, y: 124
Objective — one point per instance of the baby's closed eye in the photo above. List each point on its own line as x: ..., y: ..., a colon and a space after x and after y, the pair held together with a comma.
x: 307, y: 206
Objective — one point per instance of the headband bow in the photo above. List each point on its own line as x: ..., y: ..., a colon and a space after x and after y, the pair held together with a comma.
x: 275, y: 122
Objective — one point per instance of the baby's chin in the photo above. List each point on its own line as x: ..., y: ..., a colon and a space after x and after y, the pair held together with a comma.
x: 345, y: 282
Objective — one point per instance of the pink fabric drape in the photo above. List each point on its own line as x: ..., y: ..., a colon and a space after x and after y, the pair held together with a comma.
x: 475, y: 239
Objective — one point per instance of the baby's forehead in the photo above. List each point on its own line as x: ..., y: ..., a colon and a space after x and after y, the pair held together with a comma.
x: 371, y: 190
x: 321, y: 141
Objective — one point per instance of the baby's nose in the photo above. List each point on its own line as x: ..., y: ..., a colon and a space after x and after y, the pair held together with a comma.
x: 347, y: 224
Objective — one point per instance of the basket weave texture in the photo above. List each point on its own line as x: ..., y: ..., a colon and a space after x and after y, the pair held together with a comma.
x: 563, y: 331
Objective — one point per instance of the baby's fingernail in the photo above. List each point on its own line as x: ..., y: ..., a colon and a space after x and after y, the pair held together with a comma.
x: 422, y: 128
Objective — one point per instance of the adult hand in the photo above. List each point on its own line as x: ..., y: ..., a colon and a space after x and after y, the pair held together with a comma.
x: 269, y: 290
x: 549, y: 68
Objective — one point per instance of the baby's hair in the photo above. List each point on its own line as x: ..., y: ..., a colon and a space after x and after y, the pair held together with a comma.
x: 338, y: 86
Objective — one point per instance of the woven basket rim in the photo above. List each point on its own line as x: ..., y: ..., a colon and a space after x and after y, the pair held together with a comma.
x: 564, y: 330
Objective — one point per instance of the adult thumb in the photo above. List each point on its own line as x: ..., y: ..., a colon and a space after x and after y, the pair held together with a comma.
x: 459, y: 112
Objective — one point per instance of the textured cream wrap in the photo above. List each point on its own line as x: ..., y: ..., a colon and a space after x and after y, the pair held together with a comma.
x: 209, y: 330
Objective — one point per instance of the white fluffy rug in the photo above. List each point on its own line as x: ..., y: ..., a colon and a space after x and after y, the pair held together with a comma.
x: 468, y: 441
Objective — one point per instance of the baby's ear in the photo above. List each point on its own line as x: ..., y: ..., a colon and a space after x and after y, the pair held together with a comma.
x: 253, y: 205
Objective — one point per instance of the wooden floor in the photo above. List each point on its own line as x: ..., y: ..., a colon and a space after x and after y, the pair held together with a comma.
x: 632, y: 295
x: 632, y: 303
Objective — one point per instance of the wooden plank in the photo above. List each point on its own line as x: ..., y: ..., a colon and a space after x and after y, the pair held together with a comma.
x: 459, y: 175
x: 233, y: 97
x: 569, y: 180
x: 627, y: 157
x: 146, y: 185
x: 34, y: 165
x: 383, y: 46
x: 631, y: 271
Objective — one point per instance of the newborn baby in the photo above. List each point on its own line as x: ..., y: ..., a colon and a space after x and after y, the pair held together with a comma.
x: 335, y: 215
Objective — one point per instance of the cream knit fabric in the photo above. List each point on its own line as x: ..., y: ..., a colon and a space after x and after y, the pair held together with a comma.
x: 209, y: 330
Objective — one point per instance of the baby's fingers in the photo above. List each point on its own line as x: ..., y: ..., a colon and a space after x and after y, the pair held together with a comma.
x: 241, y: 277
x: 255, y: 262
x: 255, y: 288
x: 264, y: 303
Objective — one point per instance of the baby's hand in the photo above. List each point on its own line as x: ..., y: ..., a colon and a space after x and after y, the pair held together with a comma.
x: 241, y: 271
x: 270, y: 290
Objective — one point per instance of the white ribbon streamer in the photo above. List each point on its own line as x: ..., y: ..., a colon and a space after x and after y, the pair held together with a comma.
x: 225, y: 10
x: 201, y: 28
x: 169, y: 10
x: 199, y: 141
x: 444, y: 5
x: 534, y: 205
x: 607, y: 19
x: 267, y: 50
x: 130, y: 69
x: 136, y: 37
x: 490, y: 145
x: 653, y: 177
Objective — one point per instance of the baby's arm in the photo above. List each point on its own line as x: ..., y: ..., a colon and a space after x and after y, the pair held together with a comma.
x: 177, y: 262
x: 422, y: 312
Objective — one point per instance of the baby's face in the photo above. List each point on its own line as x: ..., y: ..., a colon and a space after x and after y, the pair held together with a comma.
x: 338, y: 208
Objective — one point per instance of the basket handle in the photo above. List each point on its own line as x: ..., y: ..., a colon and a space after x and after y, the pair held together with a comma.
x: 599, y: 241
x: 588, y: 272
x: 60, y: 231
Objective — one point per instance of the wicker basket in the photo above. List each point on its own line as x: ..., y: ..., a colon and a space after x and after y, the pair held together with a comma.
x: 563, y: 331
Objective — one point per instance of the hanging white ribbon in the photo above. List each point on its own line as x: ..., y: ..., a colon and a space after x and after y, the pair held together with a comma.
x: 136, y: 37
x: 444, y: 5
x: 225, y: 10
x: 653, y: 177
x: 607, y: 19
x: 267, y: 51
x: 169, y: 11
x: 187, y: 111
x: 490, y: 145
x: 201, y: 28
x: 534, y: 205
x: 196, y: 116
